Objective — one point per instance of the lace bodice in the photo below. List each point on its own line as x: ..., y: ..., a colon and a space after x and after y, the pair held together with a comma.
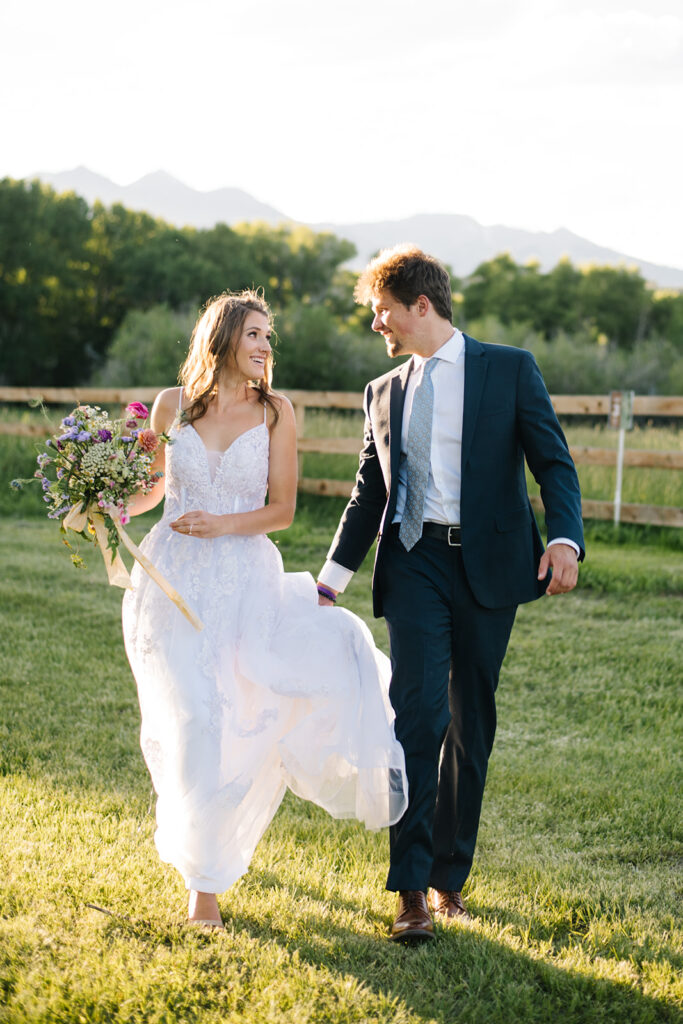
x: 241, y: 476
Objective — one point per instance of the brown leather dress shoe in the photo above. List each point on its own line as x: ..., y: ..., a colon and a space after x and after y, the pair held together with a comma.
x: 447, y: 905
x: 413, y: 921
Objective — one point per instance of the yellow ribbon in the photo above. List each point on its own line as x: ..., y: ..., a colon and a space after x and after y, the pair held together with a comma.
x: 116, y: 570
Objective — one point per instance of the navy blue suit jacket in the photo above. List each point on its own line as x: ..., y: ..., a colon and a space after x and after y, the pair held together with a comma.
x: 507, y: 417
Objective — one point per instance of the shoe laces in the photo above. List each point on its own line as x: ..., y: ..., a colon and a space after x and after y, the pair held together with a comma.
x: 451, y: 896
x: 412, y: 898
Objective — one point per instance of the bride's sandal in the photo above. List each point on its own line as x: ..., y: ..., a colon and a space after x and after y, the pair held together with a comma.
x: 206, y: 924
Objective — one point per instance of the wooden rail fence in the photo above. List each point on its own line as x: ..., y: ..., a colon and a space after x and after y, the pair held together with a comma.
x: 670, y: 407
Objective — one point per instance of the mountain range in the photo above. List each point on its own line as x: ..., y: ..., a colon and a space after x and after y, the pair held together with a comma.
x: 456, y: 239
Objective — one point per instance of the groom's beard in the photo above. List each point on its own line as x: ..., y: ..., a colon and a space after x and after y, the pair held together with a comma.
x: 394, y: 347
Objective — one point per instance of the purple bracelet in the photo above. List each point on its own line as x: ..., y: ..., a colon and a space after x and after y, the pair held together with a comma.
x: 326, y: 592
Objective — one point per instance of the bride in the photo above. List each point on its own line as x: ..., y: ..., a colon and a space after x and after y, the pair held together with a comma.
x: 275, y: 691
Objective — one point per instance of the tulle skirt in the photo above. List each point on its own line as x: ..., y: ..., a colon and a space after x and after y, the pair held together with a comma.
x: 275, y: 692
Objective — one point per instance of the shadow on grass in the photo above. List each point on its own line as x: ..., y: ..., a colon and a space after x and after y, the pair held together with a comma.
x: 463, y: 975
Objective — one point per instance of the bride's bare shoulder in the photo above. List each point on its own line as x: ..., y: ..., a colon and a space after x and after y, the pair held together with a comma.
x: 165, y: 408
x: 285, y: 409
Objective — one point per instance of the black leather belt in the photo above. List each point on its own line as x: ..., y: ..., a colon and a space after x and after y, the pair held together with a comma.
x: 449, y: 534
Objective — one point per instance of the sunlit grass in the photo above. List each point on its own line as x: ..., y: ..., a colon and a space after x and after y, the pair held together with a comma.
x: 575, y: 881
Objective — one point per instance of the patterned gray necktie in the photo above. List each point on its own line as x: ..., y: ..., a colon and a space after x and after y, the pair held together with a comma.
x: 418, y: 458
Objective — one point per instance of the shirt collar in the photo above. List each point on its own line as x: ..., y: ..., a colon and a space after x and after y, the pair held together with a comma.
x: 449, y: 351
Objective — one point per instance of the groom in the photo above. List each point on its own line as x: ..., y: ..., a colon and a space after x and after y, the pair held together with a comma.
x: 441, y: 480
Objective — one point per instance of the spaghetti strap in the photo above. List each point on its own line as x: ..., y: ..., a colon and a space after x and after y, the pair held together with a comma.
x: 180, y: 399
x: 265, y: 412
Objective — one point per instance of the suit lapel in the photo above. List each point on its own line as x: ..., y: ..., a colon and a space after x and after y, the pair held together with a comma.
x: 476, y: 366
x: 397, y: 398
x: 396, y: 402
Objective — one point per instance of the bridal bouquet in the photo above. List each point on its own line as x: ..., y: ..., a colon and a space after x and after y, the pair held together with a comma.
x: 89, y: 471
x: 92, y: 467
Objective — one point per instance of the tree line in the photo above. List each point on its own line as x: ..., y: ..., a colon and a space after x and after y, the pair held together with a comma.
x: 109, y: 295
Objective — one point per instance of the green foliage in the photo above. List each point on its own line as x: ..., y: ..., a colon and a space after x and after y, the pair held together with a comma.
x: 317, y: 350
x: 148, y: 348
x: 611, y: 304
x: 45, y: 302
x: 70, y: 276
x: 577, y: 364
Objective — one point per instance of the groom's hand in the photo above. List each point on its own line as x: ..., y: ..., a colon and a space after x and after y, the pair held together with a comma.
x: 565, y: 565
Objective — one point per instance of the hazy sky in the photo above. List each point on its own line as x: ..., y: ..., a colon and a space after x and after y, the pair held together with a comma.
x: 530, y: 113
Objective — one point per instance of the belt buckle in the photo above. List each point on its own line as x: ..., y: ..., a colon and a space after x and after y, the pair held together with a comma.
x: 453, y: 543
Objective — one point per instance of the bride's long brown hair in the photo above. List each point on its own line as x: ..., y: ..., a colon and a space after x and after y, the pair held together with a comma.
x: 214, y: 344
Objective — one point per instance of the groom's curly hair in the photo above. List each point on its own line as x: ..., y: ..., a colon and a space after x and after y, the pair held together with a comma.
x: 407, y: 272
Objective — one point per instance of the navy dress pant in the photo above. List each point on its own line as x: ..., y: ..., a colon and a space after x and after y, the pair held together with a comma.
x: 446, y: 653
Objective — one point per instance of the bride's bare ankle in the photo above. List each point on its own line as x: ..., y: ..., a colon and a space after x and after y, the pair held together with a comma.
x: 203, y: 906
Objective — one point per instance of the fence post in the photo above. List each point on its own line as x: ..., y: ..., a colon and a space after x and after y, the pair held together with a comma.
x: 620, y: 418
x: 300, y: 419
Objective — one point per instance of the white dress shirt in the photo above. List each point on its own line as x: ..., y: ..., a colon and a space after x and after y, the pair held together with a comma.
x: 442, y: 498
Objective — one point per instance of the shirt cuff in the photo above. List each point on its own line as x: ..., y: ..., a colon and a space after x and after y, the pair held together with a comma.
x: 563, y: 540
x: 335, y: 576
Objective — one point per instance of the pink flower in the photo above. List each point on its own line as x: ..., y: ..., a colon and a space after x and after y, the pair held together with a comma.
x: 138, y: 410
x: 148, y: 440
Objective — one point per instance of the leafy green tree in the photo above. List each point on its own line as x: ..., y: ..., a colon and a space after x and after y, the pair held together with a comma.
x: 148, y: 348
x: 667, y: 317
x: 44, y: 303
x: 558, y: 308
x: 294, y: 262
x: 502, y: 288
x: 617, y: 302
x: 315, y: 351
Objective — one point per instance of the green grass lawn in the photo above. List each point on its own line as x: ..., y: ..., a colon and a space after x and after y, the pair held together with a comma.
x: 575, y: 881
x: 574, y: 884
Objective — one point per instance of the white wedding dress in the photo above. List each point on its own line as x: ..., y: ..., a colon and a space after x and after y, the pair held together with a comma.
x: 274, y: 692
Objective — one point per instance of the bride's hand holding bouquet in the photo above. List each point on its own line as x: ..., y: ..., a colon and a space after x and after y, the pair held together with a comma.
x: 90, y: 471
x: 94, y: 465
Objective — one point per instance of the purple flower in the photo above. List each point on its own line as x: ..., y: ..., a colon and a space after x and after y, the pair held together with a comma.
x: 84, y: 435
x: 48, y: 443
x: 16, y: 484
x: 45, y: 484
x: 126, y: 439
x: 68, y: 421
x: 58, y: 512
x: 60, y: 473
x: 71, y: 434
x: 104, y: 435
x: 43, y: 459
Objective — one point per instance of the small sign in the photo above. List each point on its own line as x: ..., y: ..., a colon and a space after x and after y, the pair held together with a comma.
x: 620, y: 415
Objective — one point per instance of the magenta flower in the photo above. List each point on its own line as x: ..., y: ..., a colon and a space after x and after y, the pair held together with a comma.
x: 138, y: 410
